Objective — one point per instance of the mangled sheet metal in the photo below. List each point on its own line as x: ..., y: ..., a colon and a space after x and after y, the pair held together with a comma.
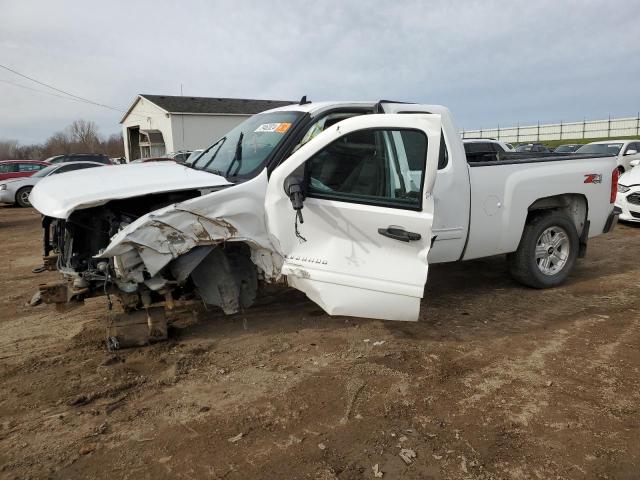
x: 234, y: 214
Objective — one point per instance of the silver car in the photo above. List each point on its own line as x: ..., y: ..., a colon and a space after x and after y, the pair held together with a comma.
x: 17, y: 190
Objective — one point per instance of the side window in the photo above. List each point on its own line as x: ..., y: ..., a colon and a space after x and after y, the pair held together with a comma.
x: 76, y: 166
x: 27, y: 167
x: 62, y: 170
x: 322, y: 124
x: 376, y: 166
x: 8, y: 168
x: 443, y: 158
x: 82, y: 166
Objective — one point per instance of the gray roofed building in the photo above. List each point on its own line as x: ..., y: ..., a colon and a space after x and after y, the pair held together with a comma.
x: 242, y: 106
x: 177, y: 123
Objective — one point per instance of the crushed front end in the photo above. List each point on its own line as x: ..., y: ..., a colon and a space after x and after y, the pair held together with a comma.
x: 153, y: 253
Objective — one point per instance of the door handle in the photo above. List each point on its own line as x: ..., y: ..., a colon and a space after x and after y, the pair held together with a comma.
x: 399, y: 233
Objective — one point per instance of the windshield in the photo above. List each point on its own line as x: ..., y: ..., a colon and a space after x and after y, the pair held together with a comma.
x: 195, y: 154
x: 45, y: 171
x: 524, y: 148
x: 601, y: 148
x: 245, y: 148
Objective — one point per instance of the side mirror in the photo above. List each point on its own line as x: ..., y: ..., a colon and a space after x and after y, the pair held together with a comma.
x: 634, y: 163
x: 631, y: 152
x: 295, y: 192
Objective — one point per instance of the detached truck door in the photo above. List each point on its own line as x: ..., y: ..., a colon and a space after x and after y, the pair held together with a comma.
x: 361, y: 246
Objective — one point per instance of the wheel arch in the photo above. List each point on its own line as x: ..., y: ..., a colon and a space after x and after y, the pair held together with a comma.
x: 575, y: 205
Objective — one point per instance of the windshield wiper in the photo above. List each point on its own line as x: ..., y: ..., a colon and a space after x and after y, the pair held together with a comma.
x: 204, y: 167
x: 237, y: 157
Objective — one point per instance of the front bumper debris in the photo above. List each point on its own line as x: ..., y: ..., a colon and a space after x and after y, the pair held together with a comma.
x: 136, y: 329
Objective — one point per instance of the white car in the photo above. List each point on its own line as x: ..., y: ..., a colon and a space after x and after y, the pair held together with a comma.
x: 628, y: 198
x: 625, y: 151
x: 350, y: 205
x: 17, y: 190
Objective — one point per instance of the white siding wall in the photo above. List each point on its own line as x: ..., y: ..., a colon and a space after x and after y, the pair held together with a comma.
x: 200, y: 131
x: 147, y: 116
x: 180, y: 132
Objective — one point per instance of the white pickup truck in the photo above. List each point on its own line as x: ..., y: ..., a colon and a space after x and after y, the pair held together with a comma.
x: 349, y: 202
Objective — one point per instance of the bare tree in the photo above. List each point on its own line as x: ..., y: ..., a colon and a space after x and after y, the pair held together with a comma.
x: 114, y: 146
x: 8, y: 149
x: 85, y: 134
x: 81, y: 136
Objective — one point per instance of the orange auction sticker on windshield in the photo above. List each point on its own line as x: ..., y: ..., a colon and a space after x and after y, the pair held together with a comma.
x: 273, y: 127
x: 283, y: 127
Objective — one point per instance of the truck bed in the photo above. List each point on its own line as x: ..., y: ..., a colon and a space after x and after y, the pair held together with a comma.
x: 491, y: 158
x: 503, y: 190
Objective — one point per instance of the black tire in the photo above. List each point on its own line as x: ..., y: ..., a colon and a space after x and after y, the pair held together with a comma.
x: 22, y: 197
x: 523, y: 263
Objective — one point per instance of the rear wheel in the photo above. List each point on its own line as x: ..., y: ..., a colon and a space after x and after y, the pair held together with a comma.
x: 547, y: 252
x: 22, y: 197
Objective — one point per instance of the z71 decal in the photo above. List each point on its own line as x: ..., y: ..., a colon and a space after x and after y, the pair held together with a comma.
x: 593, y: 178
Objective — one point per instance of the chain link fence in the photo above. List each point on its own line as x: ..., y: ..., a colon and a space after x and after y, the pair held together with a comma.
x: 611, y: 127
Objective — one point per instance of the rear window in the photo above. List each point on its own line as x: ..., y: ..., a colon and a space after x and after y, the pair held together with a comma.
x: 479, y: 147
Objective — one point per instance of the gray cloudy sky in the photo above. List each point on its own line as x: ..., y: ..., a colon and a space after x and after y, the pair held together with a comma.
x: 489, y: 61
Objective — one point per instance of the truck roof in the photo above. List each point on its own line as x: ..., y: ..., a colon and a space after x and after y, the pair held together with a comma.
x: 317, y: 107
x: 613, y: 140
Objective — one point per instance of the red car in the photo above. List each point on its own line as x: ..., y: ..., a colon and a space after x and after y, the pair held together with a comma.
x: 20, y: 168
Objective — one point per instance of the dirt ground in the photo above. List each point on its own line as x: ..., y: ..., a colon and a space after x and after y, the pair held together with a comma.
x: 494, y: 381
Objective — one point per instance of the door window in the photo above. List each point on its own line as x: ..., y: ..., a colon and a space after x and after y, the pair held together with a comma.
x: 376, y: 166
x: 8, y: 168
x: 75, y: 166
x: 28, y: 167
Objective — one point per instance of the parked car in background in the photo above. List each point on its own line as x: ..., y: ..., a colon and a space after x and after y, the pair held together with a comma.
x: 533, y: 148
x: 80, y: 157
x: 179, y: 157
x: 567, y: 148
x: 152, y: 159
x: 195, y: 154
x: 17, y: 190
x: 20, y: 168
x: 628, y: 198
x: 483, y: 149
x: 625, y: 151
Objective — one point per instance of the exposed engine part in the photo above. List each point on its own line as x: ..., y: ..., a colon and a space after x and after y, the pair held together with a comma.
x: 218, y: 272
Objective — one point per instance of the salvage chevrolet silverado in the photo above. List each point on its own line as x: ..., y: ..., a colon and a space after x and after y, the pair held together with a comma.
x: 347, y: 202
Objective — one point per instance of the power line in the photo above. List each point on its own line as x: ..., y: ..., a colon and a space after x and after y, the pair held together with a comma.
x: 60, y: 90
x: 40, y: 91
x: 70, y: 96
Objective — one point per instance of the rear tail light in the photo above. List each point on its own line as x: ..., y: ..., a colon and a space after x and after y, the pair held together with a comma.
x: 614, y: 185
